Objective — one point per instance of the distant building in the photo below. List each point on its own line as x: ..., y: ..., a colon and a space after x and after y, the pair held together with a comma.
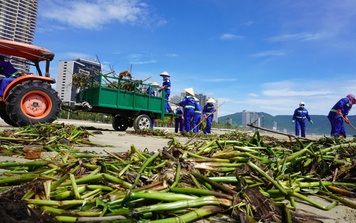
x: 274, y: 127
x: 18, y: 22
x: 229, y: 121
x: 251, y: 118
x: 66, y: 69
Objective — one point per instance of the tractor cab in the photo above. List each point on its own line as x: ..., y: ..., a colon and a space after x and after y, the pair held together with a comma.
x: 29, y: 99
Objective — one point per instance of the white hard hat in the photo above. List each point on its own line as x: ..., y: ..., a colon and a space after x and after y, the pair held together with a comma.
x: 189, y: 91
x: 302, y: 103
x: 154, y: 84
x: 210, y: 100
x: 164, y: 74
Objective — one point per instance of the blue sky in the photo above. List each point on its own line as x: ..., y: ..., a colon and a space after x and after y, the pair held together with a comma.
x: 256, y: 55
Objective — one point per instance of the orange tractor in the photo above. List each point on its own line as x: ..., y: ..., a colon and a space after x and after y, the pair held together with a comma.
x: 29, y: 99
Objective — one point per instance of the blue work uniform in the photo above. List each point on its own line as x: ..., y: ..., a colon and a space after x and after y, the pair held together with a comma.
x: 151, y: 91
x: 188, y: 104
x: 300, y: 117
x: 208, y: 110
x: 10, y: 74
x: 196, y: 117
x: 178, y: 121
x: 336, y: 121
x: 167, y: 89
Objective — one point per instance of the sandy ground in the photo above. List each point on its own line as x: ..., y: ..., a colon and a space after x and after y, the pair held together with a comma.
x: 122, y: 141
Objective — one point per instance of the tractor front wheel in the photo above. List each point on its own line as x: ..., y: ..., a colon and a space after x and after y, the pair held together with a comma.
x: 33, y: 102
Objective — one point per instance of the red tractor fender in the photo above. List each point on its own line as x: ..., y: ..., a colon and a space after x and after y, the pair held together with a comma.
x: 24, y: 78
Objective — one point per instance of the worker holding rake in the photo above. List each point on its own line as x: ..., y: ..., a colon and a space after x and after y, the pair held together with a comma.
x: 338, y: 114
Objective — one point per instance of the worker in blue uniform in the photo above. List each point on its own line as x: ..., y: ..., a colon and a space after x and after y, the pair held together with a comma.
x: 178, y: 121
x: 166, y: 86
x: 208, y: 114
x: 300, y: 117
x: 188, y: 103
x: 10, y: 73
x: 151, y: 90
x: 338, y: 114
x: 196, y: 116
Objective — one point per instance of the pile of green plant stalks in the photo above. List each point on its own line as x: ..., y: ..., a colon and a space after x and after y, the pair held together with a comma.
x: 248, y: 181
x: 53, y: 137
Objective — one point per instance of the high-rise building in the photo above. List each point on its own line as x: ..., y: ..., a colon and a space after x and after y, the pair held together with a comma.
x: 66, y: 69
x: 18, y: 22
x: 250, y: 117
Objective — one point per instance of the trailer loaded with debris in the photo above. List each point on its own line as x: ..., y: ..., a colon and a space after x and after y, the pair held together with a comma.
x: 125, y: 99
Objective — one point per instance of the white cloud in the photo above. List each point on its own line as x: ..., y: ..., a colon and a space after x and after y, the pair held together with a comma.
x: 220, y: 80
x: 229, y: 36
x: 287, y: 93
x: 95, y: 14
x: 269, y: 53
x: 76, y: 55
x: 298, y: 37
x: 171, y: 55
x: 248, y: 23
x: 143, y: 62
x: 141, y: 59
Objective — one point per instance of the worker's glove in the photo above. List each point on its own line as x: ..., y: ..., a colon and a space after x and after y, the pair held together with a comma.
x: 347, y: 120
x: 182, y: 117
x: 339, y: 112
x: 205, y: 116
x: 311, y: 122
x: 293, y: 121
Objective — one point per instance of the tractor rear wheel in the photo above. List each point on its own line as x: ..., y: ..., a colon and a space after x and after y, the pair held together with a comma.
x: 119, y: 123
x: 142, y: 122
x: 33, y: 102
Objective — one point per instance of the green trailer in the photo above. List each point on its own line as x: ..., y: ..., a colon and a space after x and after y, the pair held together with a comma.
x: 125, y: 99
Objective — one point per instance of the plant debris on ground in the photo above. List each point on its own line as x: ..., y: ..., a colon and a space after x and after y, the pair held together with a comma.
x: 234, y: 177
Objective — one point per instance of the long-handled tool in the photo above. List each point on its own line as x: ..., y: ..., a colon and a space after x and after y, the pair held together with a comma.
x: 202, y: 122
x: 348, y: 122
x: 207, y: 117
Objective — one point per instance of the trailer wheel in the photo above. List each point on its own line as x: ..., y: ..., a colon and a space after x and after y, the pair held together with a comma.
x: 142, y: 122
x: 7, y: 119
x: 33, y: 102
x: 119, y: 123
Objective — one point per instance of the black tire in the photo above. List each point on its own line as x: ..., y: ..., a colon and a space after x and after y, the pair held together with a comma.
x: 119, y: 123
x: 7, y: 119
x: 33, y: 102
x: 142, y: 122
